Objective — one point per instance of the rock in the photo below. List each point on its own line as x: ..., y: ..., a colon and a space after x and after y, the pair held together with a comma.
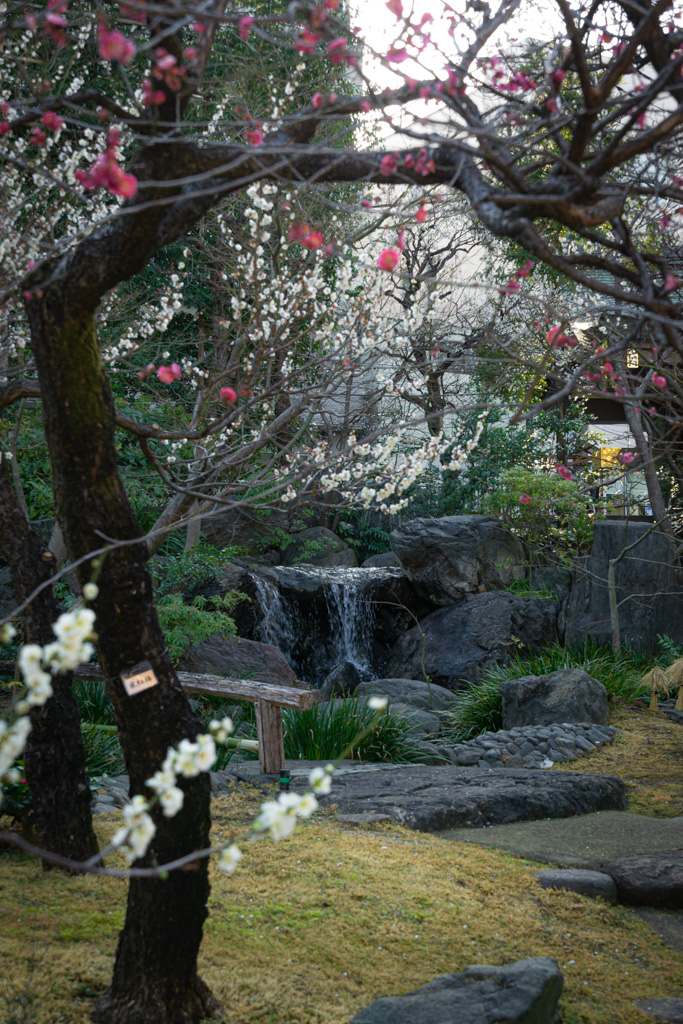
x: 568, y: 695
x: 386, y: 559
x: 588, y: 883
x: 526, y: 992
x: 647, y: 571
x: 457, y: 643
x: 318, y: 546
x: 556, y: 580
x: 423, y: 723
x: 649, y: 880
x: 247, y: 529
x: 342, y: 681
x: 454, y: 556
x: 670, y: 1010
x: 415, y: 692
x: 431, y: 799
x: 238, y: 659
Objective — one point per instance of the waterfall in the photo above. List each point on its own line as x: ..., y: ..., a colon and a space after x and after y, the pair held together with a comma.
x: 321, y: 617
x: 277, y: 622
x: 352, y: 617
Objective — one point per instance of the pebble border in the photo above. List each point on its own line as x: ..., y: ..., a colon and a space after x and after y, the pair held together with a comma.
x: 531, y: 746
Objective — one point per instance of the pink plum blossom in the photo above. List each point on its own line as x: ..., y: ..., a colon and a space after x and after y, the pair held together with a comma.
x: 671, y: 283
x: 524, y: 499
x: 337, y: 50
x: 389, y: 259
x: 254, y: 136
x: 52, y: 121
x: 658, y: 380
x: 228, y: 395
x: 564, y: 472
x: 167, y: 374
x: 388, y: 164
x: 113, y: 45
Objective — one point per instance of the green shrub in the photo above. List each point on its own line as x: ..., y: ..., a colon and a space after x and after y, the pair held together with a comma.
x: 184, y: 624
x: 185, y: 571
x: 556, y: 522
x: 478, y: 708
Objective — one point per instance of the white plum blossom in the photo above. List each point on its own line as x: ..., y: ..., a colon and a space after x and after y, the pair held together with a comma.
x: 136, y: 835
x: 171, y: 801
x: 221, y: 730
x: 320, y: 780
x: 378, y: 703
x: 229, y: 858
x: 7, y: 633
x: 90, y: 591
x: 206, y: 753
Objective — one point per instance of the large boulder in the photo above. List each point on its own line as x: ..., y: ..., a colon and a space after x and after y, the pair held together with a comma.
x: 568, y: 695
x: 526, y: 992
x: 414, y: 692
x: 457, y: 555
x: 318, y: 546
x: 457, y: 643
x: 387, y: 559
x: 237, y: 658
x: 648, y: 591
x: 649, y: 880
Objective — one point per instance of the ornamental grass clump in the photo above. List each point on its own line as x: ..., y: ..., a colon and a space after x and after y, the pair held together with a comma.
x: 478, y: 707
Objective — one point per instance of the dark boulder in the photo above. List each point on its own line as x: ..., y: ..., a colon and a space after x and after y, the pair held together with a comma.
x: 650, y: 879
x: 448, y: 558
x: 457, y: 643
x: 526, y: 992
x: 237, y: 658
x: 649, y: 593
x: 342, y: 681
x: 385, y: 560
x: 415, y: 692
x: 568, y: 695
x: 318, y: 546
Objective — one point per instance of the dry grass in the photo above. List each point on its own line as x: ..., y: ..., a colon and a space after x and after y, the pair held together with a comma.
x: 313, y: 928
x: 648, y: 756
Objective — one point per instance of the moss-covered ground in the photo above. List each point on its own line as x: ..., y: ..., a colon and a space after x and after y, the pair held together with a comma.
x: 648, y: 756
x: 311, y: 929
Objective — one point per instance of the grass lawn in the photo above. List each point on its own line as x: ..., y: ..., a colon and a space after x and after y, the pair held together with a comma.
x: 313, y: 928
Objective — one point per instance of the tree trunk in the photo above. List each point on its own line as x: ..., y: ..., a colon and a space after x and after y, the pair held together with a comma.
x: 613, y: 604
x: 654, y: 491
x: 155, y: 975
x: 53, y: 757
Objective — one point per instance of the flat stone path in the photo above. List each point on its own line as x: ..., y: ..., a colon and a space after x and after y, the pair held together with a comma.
x: 588, y: 841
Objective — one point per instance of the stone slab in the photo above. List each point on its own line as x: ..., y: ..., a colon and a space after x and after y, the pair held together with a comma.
x: 526, y: 992
x: 590, y: 841
x: 670, y: 1010
x: 587, y: 883
x: 433, y: 798
x: 653, y: 879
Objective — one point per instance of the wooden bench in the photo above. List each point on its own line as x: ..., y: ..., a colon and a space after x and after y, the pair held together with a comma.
x: 267, y: 698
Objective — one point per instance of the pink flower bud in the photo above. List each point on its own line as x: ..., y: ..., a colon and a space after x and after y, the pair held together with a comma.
x: 244, y: 25
x: 228, y: 395
x: 658, y: 380
x: 524, y: 499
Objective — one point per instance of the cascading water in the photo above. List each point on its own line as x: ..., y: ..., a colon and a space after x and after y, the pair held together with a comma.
x: 321, y: 617
x: 276, y: 624
x: 352, y: 617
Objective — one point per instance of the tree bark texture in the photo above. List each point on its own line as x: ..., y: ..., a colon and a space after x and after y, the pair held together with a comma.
x: 155, y: 975
x: 53, y: 757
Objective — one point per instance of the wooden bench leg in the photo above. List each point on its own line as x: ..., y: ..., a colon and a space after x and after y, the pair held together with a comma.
x: 271, y: 746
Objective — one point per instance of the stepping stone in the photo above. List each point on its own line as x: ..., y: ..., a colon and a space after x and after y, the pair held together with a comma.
x: 526, y: 992
x: 650, y: 880
x: 588, y: 883
x: 670, y: 1010
x: 430, y: 799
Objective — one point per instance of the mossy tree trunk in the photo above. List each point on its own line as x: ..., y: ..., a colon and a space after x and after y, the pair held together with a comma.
x: 155, y: 975
x: 53, y: 757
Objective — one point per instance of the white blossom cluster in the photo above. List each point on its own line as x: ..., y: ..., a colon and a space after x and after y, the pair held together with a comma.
x: 37, y: 664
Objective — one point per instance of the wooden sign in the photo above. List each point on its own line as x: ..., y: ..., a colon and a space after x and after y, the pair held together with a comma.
x: 140, y: 677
